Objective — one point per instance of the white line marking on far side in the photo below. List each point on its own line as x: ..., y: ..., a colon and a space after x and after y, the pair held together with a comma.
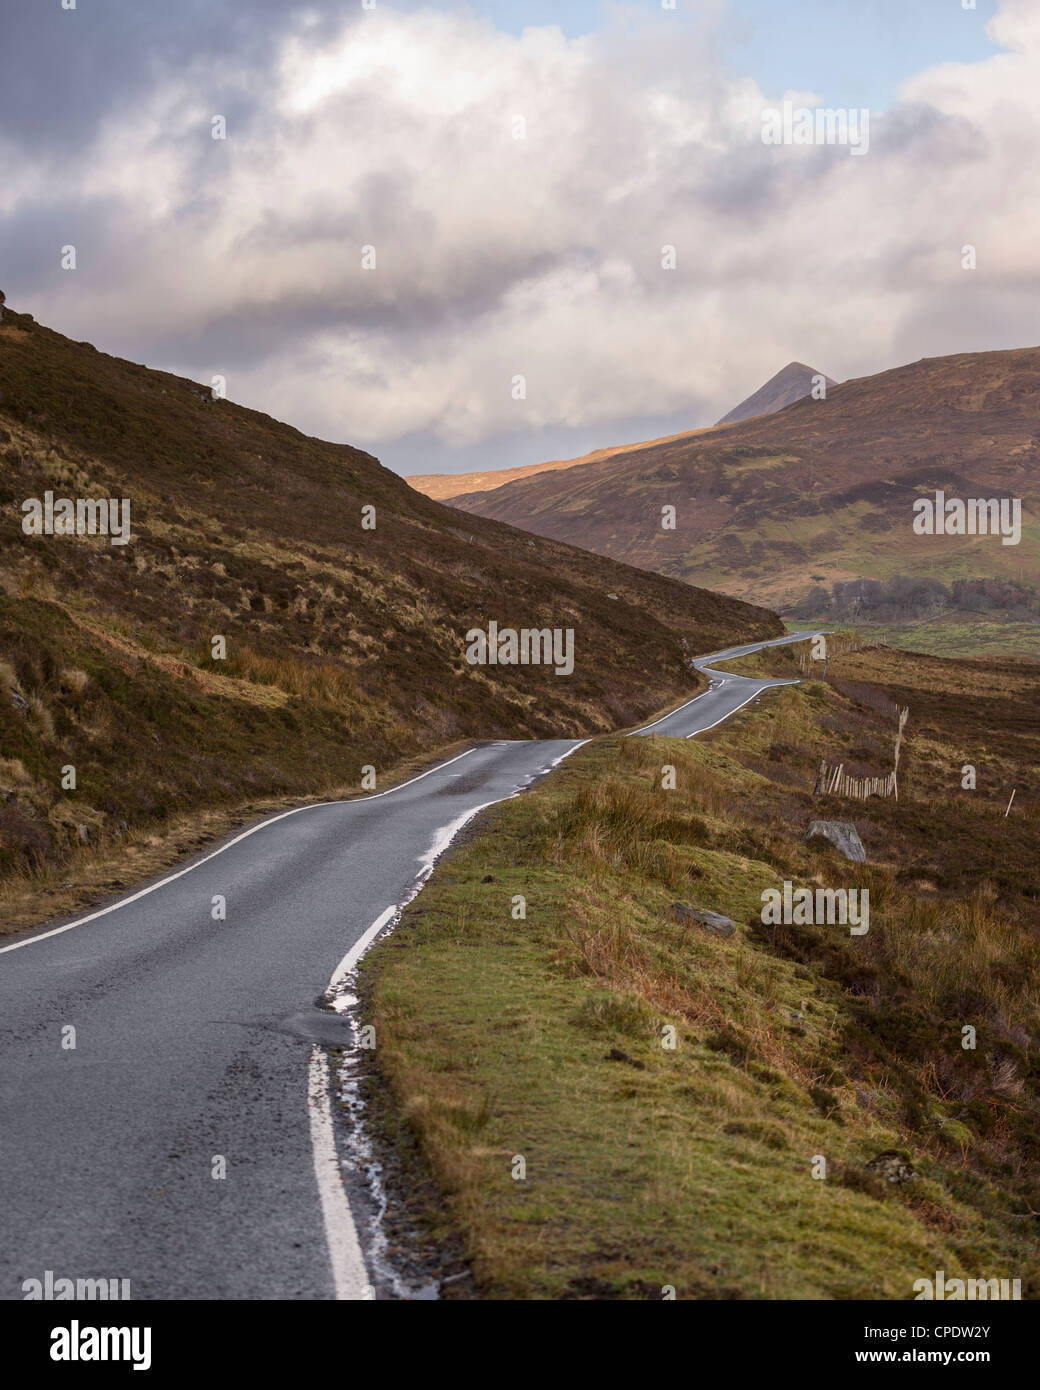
x: 170, y: 878
x: 730, y: 713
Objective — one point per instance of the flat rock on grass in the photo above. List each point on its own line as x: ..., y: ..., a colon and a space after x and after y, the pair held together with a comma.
x: 710, y: 921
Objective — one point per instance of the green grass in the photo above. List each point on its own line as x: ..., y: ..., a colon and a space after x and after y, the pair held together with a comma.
x: 694, y: 1170
x: 961, y: 637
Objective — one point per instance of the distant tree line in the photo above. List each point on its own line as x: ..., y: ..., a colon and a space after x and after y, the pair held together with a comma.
x: 903, y: 597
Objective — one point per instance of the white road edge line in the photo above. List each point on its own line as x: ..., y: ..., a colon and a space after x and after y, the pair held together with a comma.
x: 170, y: 878
x: 349, y: 1274
x: 678, y: 710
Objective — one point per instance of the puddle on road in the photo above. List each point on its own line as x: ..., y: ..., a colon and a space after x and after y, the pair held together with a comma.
x: 320, y: 1026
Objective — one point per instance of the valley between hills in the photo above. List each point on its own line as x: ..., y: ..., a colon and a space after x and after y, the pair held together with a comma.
x: 344, y: 647
x: 815, y: 1128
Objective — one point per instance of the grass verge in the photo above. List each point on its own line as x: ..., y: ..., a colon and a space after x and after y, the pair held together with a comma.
x: 538, y: 1045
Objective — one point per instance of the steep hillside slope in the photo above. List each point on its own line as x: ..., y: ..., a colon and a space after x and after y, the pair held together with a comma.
x: 822, y: 492
x: 343, y: 647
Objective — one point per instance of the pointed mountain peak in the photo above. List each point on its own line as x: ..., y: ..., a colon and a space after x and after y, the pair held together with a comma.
x: 790, y: 384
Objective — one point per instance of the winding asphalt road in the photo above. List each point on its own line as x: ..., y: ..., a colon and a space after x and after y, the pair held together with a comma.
x: 200, y: 1042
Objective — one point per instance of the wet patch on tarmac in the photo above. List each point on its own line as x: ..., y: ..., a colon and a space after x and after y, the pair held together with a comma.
x: 319, y: 1026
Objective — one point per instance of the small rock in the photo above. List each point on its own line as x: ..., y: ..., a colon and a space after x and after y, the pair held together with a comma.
x: 710, y: 921
x: 892, y: 1166
x: 488, y: 878
x: 616, y: 1055
x: 842, y: 834
x: 19, y: 701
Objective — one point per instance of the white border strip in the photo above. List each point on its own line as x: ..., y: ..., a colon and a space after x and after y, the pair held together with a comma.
x: 349, y: 1274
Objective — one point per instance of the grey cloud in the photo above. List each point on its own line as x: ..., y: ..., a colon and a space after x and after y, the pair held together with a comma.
x: 64, y: 71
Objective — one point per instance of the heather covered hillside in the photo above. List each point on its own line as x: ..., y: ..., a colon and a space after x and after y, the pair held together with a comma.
x: 782, y: 508
x: 343, y: 646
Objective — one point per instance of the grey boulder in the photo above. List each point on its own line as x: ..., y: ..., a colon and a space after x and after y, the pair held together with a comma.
x: 842, y: 834
x: 710, y: 921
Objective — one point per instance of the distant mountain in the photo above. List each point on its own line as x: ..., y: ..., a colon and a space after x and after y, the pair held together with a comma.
x: 790, y: 384
x: 255, y: 637
x: 777, y: 507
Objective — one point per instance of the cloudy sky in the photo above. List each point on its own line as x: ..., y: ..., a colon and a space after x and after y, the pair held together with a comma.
x: 517, y: 168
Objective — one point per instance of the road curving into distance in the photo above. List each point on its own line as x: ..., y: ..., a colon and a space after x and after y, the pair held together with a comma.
x: 200, y: 1043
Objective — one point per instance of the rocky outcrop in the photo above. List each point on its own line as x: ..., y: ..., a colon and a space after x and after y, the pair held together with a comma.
x: 893, y: 1166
